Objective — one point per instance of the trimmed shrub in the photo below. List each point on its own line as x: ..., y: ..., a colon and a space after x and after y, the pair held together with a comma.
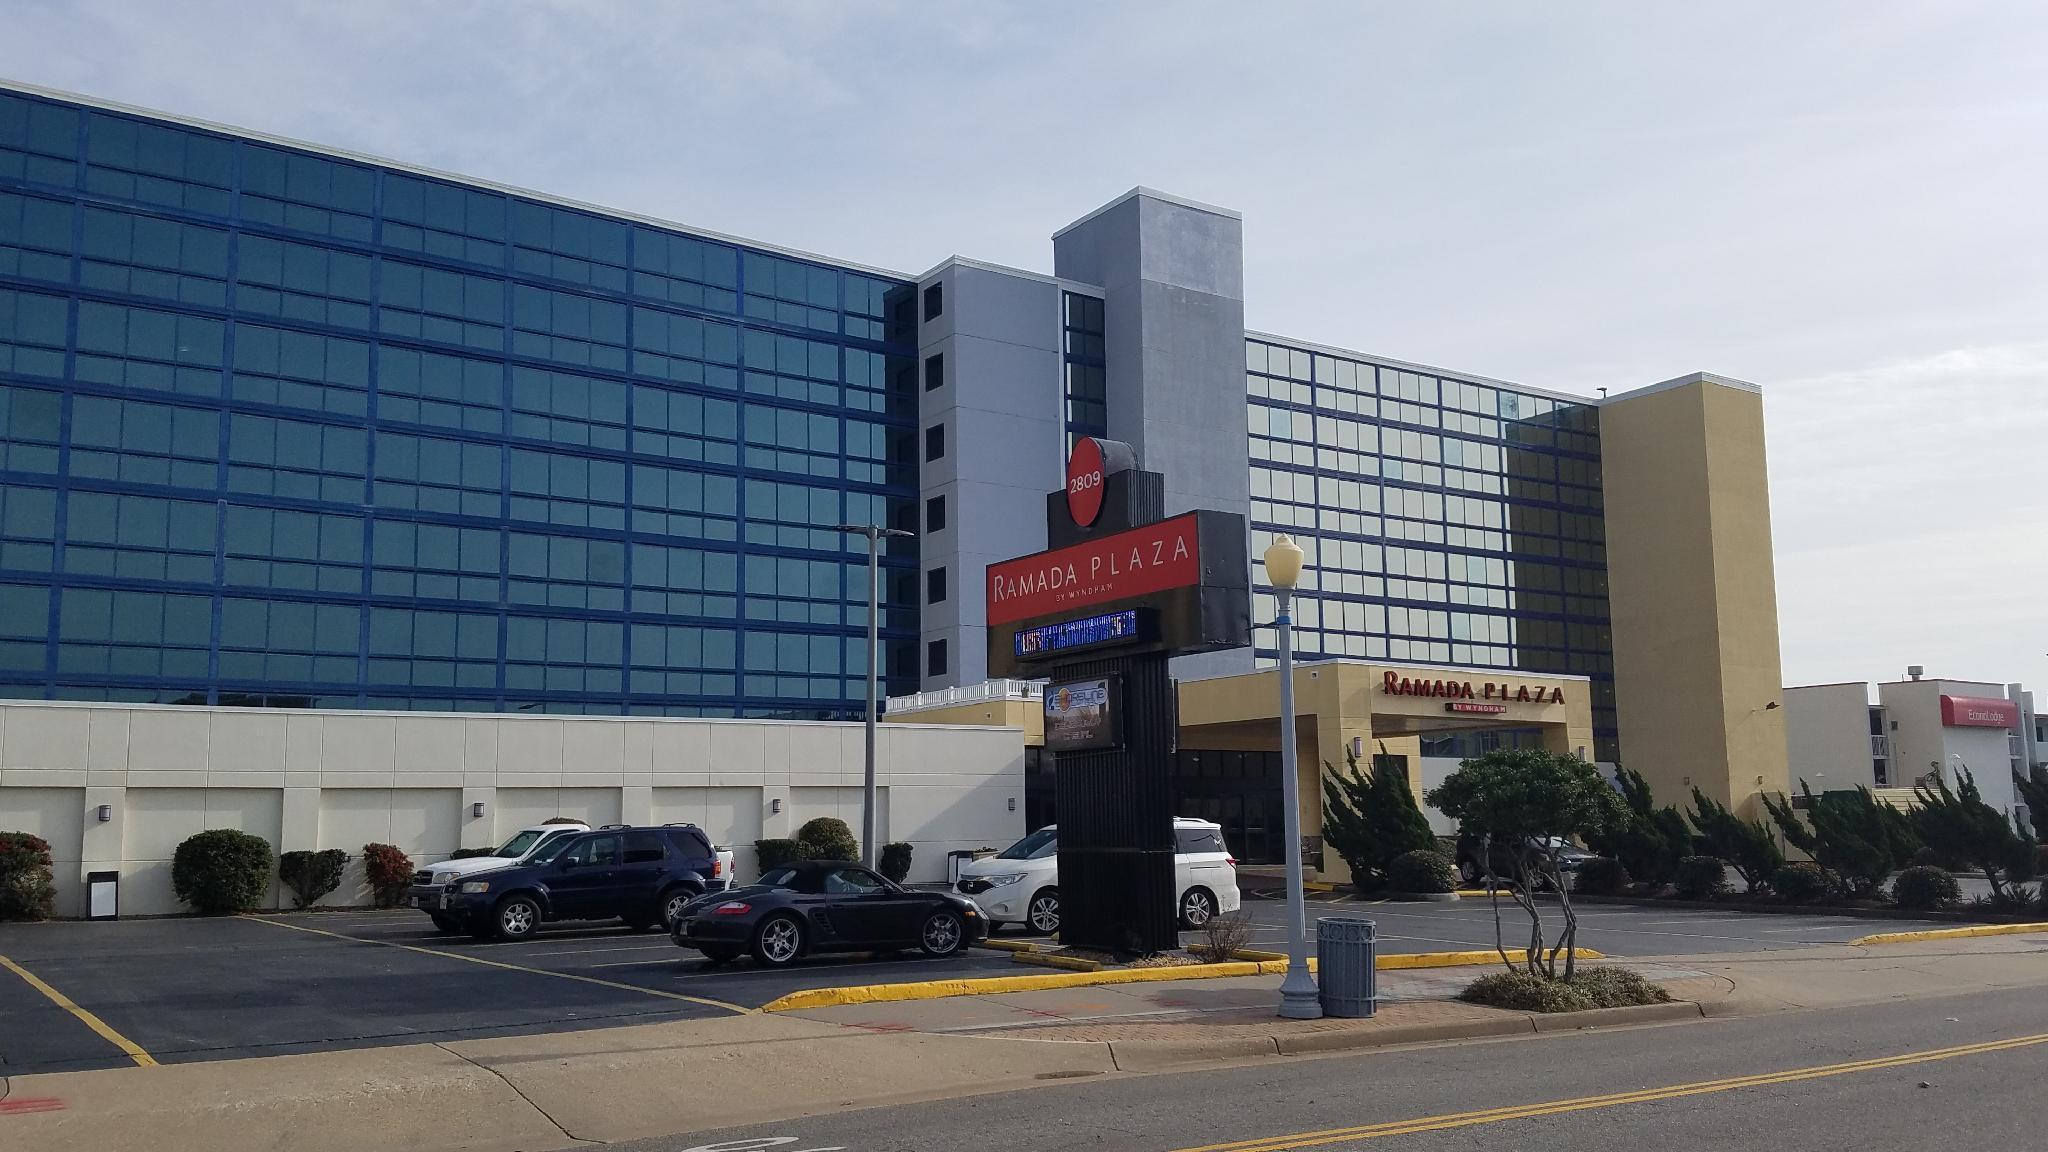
x: 1592, y: 988
x: 1601, y: 876
x: 1801, y: 882
x: 1422, y: 872
x: 2041, y: 856
x: 1701, y: 878
x: 389, y: 872
x: 827, y: 838
x: 561, y: 820
x: 776, y: 853
x: 470, y: 853
x: 222, y: 870
x: 311, y: 875
x: 1924, y: 886
x: 895, y: 861
x: 28, y: 888
x: 1929, y: 858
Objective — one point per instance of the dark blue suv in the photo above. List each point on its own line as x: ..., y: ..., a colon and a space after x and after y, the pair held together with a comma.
x: 639, y: 875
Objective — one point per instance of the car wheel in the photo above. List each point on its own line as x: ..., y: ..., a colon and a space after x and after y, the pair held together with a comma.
x: 1043, y: 914
x: 943, y: 934
x: 672, y: 903
x: 446, y: 923
x: 718, y: 955
x: 778, y: 942
x: 1197, y: 908
x: 517, y: 918
x: 1468, y: 871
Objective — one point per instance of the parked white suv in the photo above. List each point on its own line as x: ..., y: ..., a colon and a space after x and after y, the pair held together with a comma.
x: 429, y: 882
x: 1021, y: 884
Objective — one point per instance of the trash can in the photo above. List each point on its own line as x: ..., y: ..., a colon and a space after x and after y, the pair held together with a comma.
x: 953, y: 862
x: 1346, y: 949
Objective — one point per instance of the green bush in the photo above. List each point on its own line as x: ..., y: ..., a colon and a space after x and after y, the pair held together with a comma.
x: 222, y: 870
x: 1701, y: 878
x: 1371, y: 817
x: 827, y: 838
x: 2041, y: 856
x: 1924, y: 886
x: 775, y: 853
x: 470, y: 853
x: 895, y: 861
x: 1601, y: 876
x: 389, y: 873
x: 1592, y: 988
x: 28, y: 887
x: 1422, y: 872
x: 1801, y: 882
x: 311, y: 875
x: 1747, y: 845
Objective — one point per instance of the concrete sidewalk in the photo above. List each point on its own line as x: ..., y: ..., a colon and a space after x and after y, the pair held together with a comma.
x: 559, y: 1090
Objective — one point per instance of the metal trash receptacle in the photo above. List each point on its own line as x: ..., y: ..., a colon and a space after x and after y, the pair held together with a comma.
x: 1346, y: 950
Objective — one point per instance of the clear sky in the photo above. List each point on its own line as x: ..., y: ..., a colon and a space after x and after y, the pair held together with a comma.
x: 1843, y: 202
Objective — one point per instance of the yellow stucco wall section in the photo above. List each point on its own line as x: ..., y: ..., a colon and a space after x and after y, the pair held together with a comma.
x: 1691, y: 590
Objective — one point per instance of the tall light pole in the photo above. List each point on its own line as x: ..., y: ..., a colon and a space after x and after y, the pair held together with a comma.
x: 1298, y: 997
x: 874, y: 533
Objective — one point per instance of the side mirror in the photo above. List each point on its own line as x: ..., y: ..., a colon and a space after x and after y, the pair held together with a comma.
x: 568, y: 862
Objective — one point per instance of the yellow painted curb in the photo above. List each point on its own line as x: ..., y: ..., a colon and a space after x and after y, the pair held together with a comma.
x: 1008, y: 945
x: 1317, y: 886
x: 1951, y: 933
x: 993, y: 985
x: 1049, y: 960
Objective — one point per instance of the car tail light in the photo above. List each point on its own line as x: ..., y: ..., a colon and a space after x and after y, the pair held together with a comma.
x: 733, y: 908
x: 1230, y: 860
x: 717, y: 866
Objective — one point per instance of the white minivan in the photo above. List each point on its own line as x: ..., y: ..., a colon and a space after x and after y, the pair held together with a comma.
x: 1021, y: 884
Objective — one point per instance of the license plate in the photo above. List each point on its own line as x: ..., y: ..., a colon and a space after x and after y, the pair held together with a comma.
x: 415, y: 901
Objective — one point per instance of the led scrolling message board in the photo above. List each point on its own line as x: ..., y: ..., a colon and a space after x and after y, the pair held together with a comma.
x: 1072, y: 635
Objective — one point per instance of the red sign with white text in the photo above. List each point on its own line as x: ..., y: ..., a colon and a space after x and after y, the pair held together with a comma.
x: 1978, y: 712
x: 1084, y: 481
x: 1144, y: 560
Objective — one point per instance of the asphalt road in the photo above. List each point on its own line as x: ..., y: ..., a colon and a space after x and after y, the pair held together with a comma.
x: 205, y: 989
x: 1540, y: 1092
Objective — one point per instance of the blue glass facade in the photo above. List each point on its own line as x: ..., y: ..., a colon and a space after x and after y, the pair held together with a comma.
x: 281, y: 427
x: 1445, y: 521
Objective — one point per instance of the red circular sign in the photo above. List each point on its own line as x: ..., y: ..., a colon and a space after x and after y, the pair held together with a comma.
x: 1084, y: 481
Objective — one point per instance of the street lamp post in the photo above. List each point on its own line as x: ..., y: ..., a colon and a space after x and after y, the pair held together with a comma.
x: 874, y: 533
x: 1298, y: 997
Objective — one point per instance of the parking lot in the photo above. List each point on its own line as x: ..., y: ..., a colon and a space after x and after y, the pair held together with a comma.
x: 203, y: 989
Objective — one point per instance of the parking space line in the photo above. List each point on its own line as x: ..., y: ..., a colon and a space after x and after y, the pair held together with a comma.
x: 508, y: 967
x: 86, y: 1018
x: 666, y: 944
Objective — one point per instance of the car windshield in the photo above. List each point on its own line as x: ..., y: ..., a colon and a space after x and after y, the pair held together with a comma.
x: 516, y: 847
x: 1036, y: 846
x: 777, y: 878
x: 552, y: 849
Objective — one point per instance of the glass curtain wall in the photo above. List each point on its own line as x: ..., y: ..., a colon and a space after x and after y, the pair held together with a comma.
x: 279, y: 427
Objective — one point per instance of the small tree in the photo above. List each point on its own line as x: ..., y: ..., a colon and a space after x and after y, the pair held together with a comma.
x: 1648, y: 840
x: 1960, y: 825
x: 895, y: 861
x: 1746, y: 845
x: 1852, y: 834
x: 1370, y: 818
x: 28, y: 886
x: 311, y: 875
x: 1522, y: 798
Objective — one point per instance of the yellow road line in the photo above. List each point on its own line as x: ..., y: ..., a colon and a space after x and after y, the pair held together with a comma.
x: 1951, y: 933
x: 508, y: 967
x: 1588, y: 1103
x: 133, y: 1050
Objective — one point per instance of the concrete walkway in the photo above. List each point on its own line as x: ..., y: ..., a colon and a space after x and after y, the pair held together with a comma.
x: 559, y: 1090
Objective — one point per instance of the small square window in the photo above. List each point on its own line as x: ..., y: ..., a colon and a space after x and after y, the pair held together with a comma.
x: 935, y: 514
x: 934, y: 442
x: 934, y: 371
x: 934, y: 301
x: 935, y: 586
x: 935, y: 658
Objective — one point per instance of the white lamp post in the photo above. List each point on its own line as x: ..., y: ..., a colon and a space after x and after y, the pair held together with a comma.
x: 1298, y: 997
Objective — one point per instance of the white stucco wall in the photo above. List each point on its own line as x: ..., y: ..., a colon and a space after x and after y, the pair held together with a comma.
x: 307, y: 779
x: 1827, y: 737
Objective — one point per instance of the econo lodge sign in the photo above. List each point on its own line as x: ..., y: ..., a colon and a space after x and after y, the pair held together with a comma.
x: 1084, y: 482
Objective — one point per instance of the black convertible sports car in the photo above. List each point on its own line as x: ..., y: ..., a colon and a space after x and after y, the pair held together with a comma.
x: 824, y: 906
